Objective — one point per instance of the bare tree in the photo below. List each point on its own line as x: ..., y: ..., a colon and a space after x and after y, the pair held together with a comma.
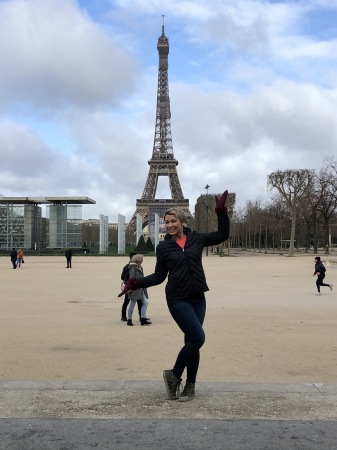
x: 250, y: 217
x: 331, y: 163
x: 293, y: 186
x: 327, y: 200
x: 237, y: 229
x: 308, y: 214
x: 279, y: 214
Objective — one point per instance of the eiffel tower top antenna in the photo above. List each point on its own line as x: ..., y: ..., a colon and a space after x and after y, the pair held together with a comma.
x: 162, y: 162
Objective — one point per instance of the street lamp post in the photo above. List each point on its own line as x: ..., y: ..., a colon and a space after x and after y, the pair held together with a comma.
x: 207, y: 206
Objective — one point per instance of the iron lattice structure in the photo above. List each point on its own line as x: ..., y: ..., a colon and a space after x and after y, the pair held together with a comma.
x: 162, y: 162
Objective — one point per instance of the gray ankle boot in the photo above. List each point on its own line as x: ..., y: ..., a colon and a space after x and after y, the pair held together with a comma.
x: 188, y: 392
x: 172, y: 384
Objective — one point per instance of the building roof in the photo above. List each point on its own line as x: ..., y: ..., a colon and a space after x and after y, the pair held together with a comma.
x: 47, y: 200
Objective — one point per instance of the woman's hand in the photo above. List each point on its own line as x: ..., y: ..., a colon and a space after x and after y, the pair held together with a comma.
x: 220, y: 204
x: 130, y: 285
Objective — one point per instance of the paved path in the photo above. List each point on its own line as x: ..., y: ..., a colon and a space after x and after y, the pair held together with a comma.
x: 136, y: 415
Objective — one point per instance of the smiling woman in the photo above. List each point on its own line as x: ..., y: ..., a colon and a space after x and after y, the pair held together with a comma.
x: 179, y: 256
x: 174, y: 222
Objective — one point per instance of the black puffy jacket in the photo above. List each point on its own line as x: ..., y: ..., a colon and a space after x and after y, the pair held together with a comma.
x: 186, y: 276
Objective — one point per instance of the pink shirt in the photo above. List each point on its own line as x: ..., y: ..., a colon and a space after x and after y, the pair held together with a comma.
x: 182, y: 241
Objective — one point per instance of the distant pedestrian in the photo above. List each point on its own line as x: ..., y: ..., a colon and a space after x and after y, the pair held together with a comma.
x: 124, y: 277
x: 320, y: 272
x: 14, y: 256
x: 68, y: 254
x: 20, y: 257
x: 136, y: 273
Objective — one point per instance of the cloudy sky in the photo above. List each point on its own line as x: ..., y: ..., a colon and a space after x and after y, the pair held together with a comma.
x: 253, y: 89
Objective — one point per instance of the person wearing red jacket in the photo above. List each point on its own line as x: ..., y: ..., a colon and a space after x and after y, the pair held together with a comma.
x: 20, y: 257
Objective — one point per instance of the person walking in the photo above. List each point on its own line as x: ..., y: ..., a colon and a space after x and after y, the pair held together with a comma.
x: 68, y: 254
x: 179, y: 256
x: 20, y: 257
x: 14, y: 256
x: 124, y: 277
x: 320, y: 273
x: 136, y: 273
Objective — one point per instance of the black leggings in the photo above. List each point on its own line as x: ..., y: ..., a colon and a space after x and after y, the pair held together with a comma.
x: 319, y: 281
x: 189, y: 317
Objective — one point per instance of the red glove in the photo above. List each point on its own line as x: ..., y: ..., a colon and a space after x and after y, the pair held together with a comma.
x: 220, y: 204
x: 130, y: 285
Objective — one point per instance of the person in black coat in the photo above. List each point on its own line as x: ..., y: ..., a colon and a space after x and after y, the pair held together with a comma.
x: 68, y: 254
x: 124, y: 278
x: 179, y: 257
x: 320, y: 272
x: 14, y: 256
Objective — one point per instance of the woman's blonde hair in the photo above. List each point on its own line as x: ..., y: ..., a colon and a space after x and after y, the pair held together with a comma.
x: 176, y: 212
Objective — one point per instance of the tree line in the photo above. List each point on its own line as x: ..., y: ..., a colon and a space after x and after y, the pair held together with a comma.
x: 301, y: 212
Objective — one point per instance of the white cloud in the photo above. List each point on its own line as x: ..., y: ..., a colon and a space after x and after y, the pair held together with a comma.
x: 53, y: 55
x: 23, y: 152
x: 250, y: 91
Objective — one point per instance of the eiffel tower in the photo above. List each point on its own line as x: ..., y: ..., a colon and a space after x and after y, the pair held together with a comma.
x: 162, y: 162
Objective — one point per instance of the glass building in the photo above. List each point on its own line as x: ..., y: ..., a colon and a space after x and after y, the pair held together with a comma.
x: 21, y: 222
x: 20, y: 226
x: 64, y: 226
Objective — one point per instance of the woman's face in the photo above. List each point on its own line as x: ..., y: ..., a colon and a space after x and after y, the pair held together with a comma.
x: 173, y: 226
